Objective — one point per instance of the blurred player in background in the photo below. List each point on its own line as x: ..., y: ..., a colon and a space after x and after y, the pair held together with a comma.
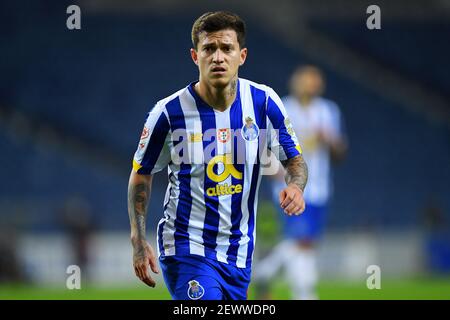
x: 318, y: 124
x: 206, y: 237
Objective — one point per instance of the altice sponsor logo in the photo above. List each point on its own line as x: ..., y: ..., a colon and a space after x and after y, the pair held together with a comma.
x: 226, y: 162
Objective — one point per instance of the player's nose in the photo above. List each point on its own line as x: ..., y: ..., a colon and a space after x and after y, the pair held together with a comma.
x: 218, y: 56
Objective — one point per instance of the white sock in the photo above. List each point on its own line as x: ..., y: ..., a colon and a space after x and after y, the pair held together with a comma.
x: 266, y: 268
x: 302, y: 274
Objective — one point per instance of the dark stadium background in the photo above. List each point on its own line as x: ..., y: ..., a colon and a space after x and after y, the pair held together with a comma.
x: 73, y: 103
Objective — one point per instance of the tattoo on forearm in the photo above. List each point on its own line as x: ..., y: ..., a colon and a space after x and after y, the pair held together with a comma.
x: 138, y: 198
x: 296, y: 171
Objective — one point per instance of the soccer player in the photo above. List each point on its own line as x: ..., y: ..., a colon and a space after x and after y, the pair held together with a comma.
x: 319, y: 127
x: 206, y: 238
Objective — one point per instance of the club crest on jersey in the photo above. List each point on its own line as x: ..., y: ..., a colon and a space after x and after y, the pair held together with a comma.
x: 223, y: 135
x: 195, y: 290
x: 250, y: 130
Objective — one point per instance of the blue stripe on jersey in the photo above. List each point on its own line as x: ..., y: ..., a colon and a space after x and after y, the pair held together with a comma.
x: 284, y: 138
x: 251, y: 211
x: 156, y: 142
x: 181, y: 235
x: 259, y: 103
x: 211, y: 223
x: 238, y: 144
x: 160, y: 240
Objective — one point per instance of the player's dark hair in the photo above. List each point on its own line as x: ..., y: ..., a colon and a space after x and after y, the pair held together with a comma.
x: 216, y: 21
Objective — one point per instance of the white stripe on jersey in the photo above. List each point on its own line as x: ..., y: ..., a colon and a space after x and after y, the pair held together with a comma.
x: 223, y: 237
x: 255, y: 210
x: 251, y: 148
x: 172, y: 195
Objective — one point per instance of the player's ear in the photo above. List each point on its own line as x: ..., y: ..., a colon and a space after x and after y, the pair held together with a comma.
x: 194, y: 56
x: 243, y: 56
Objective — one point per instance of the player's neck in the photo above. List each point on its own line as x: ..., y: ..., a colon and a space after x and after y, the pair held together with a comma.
x: 305, y: 101
x: 218, y: 98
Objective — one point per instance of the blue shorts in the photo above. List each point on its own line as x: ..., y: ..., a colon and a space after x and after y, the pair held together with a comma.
x: 195, y: 277
x: 307, y: 226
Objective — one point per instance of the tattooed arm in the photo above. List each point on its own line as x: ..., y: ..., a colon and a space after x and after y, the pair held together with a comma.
x: 139, y: 187
x: 296, y: 171
x: 291, y: 197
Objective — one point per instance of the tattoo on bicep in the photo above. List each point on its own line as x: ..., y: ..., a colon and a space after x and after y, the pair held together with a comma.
x: 138, y: 198
x: 296, y: 171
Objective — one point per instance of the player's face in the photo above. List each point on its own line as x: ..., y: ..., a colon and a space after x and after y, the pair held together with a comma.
x: 309, y: 84
x: 218, y: 57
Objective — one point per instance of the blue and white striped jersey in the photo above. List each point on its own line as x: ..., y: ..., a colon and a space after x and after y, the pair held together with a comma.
x: 320, y: 116
x: 215, y: 163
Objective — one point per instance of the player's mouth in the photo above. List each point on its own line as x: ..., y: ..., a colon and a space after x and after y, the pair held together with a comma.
x: 218, y: 70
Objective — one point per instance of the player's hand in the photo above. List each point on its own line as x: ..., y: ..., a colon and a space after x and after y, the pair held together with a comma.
x: 143, y: 258
x: 291, y: 200
x: 325, y: 139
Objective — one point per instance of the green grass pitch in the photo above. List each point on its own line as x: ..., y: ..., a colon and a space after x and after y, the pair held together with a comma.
x: 419, y: 288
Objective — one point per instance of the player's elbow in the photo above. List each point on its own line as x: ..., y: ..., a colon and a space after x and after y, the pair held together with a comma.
x: 137, y: 178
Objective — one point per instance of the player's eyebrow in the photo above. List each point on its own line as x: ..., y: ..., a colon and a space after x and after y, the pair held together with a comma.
x: 208, y: 44
x: 220, y: 43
